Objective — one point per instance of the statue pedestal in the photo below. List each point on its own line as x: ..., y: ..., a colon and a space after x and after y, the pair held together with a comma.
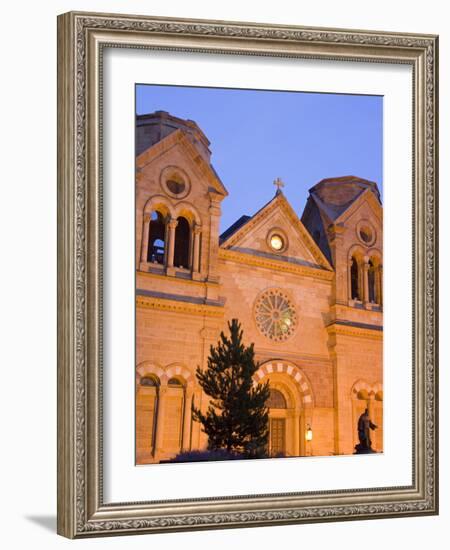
x: 363, y: 450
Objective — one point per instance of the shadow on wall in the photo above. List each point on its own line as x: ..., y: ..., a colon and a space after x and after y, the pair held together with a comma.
x: 46, y: 522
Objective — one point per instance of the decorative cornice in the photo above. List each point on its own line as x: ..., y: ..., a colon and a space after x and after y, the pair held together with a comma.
x: 347, y: 328
x: 175, y: 280
x: 202, y: 300
x: 303, y: 360
x: 275, y: 265
x: 176, y: 306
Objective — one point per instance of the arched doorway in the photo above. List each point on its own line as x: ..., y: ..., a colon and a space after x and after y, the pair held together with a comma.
x: 277, y: 406
x: 290, y: 404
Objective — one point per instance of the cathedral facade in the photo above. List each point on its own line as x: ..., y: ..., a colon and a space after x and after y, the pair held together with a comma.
x: 306, y: 289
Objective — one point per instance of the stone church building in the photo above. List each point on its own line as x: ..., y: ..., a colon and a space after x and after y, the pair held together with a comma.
x: 307, y: 291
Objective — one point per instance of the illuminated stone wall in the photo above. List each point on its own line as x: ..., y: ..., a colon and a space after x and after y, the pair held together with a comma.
x: 319, y: 346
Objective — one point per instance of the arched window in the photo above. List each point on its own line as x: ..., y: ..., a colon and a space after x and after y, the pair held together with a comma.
x: 149, y: 381
x: 147, y: 403
x: 276, y: 400
x: 354, y: 280
x: 371, y: 281
x: 175, y: 382
x: 182, y: 243
x: 157, y: 239
x: 174, y: 416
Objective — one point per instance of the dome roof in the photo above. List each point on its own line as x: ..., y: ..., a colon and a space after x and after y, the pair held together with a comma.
x: 336, y: 194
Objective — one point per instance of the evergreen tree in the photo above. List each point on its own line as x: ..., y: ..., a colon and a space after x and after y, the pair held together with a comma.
x: 237, y: 417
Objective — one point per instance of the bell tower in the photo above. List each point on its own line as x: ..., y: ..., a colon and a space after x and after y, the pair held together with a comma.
x: 344, y: 216
x: 178, y: 197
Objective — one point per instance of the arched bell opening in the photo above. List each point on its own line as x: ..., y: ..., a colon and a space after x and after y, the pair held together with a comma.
x: 156, y: 253
x: 182, y: 243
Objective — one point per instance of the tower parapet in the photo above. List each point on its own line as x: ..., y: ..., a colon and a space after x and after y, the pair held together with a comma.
x: 154, y: 127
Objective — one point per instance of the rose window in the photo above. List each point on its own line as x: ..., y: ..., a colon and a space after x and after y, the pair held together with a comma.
x: 275, y: 315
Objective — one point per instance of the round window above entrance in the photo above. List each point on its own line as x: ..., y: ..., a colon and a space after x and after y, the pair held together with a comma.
x: 275, y: 315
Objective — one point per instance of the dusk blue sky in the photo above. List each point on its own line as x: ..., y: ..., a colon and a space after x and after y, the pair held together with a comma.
x: 257, y: 136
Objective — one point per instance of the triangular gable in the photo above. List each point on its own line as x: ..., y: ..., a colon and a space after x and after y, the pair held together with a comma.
x: 251, y: 236
x: 367, y: 197
x: 198, y: 162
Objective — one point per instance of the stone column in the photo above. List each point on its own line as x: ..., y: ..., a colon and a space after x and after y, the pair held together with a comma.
x: 366, y: 280
x: 196, y: 426
x: 187, y: 417
x: 159, y: 440
x: 214, y: 213
x: 339, y: 255
x: 343, y: 435
x: 380, y: 284
x: 171, y: 244
x: 145, y: 235
x: 196, y: 256
x: 349, y: 278
x: 297, y: 445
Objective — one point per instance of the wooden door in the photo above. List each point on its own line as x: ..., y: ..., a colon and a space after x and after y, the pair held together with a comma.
x: 277, y: 436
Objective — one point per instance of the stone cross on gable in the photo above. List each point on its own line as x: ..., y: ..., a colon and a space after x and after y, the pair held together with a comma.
x: 278, y: 184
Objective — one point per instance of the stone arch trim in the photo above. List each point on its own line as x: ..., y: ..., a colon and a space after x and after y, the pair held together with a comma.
x: 378, y: 387
x: 375, y: 253
x: 360, y: 385
x: 159, y: 200
x: 165, y: 373
x: 149, y: 367
x: 189, y: 208
x: 356, y: 250
x: 297, y: 375
x: 177, y: 369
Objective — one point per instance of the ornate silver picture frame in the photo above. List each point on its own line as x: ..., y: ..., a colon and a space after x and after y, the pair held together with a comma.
x: 83, y: 39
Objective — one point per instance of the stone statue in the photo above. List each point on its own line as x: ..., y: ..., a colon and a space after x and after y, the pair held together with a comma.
x: 364, y: 427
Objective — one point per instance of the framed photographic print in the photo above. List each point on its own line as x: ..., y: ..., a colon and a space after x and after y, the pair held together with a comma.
x: 247, y: 274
